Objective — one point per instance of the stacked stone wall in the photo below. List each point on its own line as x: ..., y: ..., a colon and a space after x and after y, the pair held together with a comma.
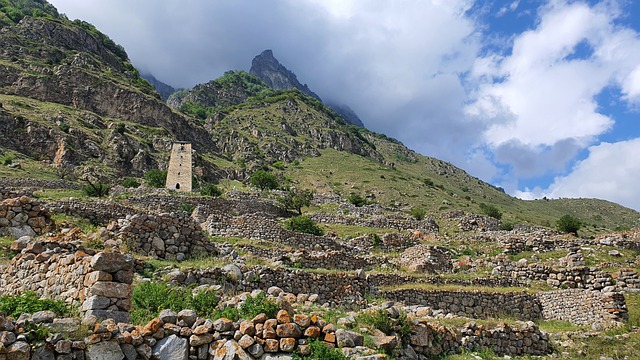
x: 164, y: 236
x: 24, y: 217
x: 568, y: 277
x: 262, y: 227
x: 584, y: 307
x: 100, y: 284
x: 183, y: 335
x: 96, y: 211
x: 428, y: 224
x: 474, y: 304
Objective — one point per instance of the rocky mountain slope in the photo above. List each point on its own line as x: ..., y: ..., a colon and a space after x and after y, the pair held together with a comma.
x: 163, y: 89
x: 84, y: 107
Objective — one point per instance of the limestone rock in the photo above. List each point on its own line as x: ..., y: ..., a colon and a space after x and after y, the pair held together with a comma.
x: 106, y: 350
x: 171, y: 347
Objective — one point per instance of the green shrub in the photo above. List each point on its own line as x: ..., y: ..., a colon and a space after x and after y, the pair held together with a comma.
x: 381, y: 320
x: 304, y: 224
x: 156, y: 178
x: 252, y: 307
x: 491, y: 211
x: 357, y: 199
x: 96, y: 190
x: 264, y: 180
x: 321, y: 351
x: 64, y: 127
x: 6, y: 159
x: 418, y: 213
x: 506, y: 226
x: 150, y: 297
x: 296, y: 200
x: 428, y: 182
x: 129, y: 183
x: 121, y: 128
x: 569, y: 224
x: 187, y: 208
x: 278, y: 165
x: 210, y: 190
x: 30, y: 302
x: 376, y: 241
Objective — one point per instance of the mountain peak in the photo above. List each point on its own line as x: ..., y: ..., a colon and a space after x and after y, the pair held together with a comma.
x: 268, y: 69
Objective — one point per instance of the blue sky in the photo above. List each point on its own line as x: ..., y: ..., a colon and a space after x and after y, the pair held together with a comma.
x: 540, y: 97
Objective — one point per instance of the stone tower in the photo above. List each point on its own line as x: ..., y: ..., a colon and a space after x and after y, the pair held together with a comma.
x: 180, y: 172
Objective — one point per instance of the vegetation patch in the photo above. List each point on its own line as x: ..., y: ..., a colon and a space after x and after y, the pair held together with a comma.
x: 29, y: 302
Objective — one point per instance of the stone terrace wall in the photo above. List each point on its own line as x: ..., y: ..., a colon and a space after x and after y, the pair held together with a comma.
x: 100, y: 283
x: 97, y: 211
x: 333, y: 288
x: 474, y: 304
x: 164, y: 236
x: 261, y: 227
x: 428, y: 224
x: 390, y: 242
x: 382, y: 279
x: 24, y: 217
x: 584, y: 307
x: 569, y: 277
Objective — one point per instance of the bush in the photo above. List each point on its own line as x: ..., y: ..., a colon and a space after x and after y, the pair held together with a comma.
x: 150, y: 297
x: 321, y: 351
x: 569, y: 224
x: 121, y: 128
x: 491, y: 211
x: 304, y: 224
x: 156, y: 178
x: 251, y: 307
x: 264, y: 180
x: 130, y: 183
x: 187, y: 208
x: 6, y: 160
x: 418, y: 213
x: 357, y: 199
x: 296, y: 200
x: 506, y: 226
x: 210, y: 190
x: 96, y: 190
x: 381, y: 320
x: 30, y: 302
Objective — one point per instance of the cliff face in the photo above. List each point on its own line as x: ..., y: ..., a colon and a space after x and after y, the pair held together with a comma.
x: 163, y: 89
x: 268, y: 69
x: 55, y: 61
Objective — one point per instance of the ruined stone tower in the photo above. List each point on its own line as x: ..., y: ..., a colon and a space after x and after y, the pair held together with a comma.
x: 179, y: 173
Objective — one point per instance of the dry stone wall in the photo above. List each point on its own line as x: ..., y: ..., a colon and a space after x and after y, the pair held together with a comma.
x: 99, y: 283
x: 584, y: 307
x: 97, y: 211
x: 24, y: 217
x: 164, y: 236
x: 428, y: 224
x: 559, y: 277
x: 260, y: 227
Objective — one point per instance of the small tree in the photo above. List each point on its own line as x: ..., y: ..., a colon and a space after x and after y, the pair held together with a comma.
x: 210, y: 190
x: 95, y: 189
x: 296, y: 200
x: 304, y: 224
x: 357, y: 199
x: 129, y: 183
x: 569, y: 224
x: 418, y: 213
x: 491, y: 211
x: 156, y: 178
x: 264, y: 180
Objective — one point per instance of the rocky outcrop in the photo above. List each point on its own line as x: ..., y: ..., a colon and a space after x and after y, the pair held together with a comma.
x: 268, y: 69
x: 163, y: 89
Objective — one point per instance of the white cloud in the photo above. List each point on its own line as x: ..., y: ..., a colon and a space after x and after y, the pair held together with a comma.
x: 611, y: 171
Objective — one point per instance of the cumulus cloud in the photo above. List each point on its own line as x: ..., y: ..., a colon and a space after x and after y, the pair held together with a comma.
x: 609, y: 172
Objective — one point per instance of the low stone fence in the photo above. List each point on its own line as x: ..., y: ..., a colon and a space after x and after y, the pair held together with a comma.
x: 184, y: 335
x: 627, y: 279
x: 474, y: 304
x: 34, y: 184
x: 100, y: 283
x: 569, y: 277
x: 386, y: 279
x: 24, y: 217
x: 398, y: 222
x: 262, y: 227
x: 390, y: 242
x: 97, y: 211
x: 163, y: 236
x: 578, y: 306
x: 584, y: 307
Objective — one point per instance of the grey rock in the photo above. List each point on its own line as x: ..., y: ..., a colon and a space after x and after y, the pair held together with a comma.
x: 129, y: 351
x: 96, y: 302
x: 168, y: 316
x: 106, y: 350
x: 171, y: 347
x: 111, y: 261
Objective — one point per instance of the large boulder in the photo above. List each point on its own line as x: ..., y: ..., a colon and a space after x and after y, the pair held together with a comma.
x: 172, y: 347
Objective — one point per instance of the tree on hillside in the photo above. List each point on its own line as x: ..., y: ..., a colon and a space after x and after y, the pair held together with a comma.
x: 569, y: 224
x: 296, y: 200
x: 491, y: 211
x: 156, y: 178
x: 264, y: 180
